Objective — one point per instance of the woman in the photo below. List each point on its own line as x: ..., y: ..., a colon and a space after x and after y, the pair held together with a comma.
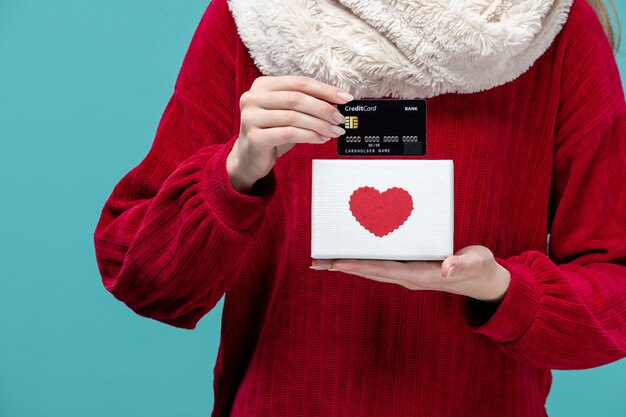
x: 525, y: 97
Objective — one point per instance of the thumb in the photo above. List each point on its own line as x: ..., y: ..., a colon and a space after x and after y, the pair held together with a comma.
x: 451, y: 266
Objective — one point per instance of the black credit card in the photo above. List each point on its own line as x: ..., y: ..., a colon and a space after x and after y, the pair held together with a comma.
x: 378, y: 127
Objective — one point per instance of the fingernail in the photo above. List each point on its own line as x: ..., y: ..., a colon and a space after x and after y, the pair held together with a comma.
x: 345, y: 96
x: 450, y: 271
x: 317, y: 268
x: 337, y: 130
x: 338, y: 117
x: 324, y: 138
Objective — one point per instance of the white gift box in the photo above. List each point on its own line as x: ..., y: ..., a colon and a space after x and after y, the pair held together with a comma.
x: 382, y: 209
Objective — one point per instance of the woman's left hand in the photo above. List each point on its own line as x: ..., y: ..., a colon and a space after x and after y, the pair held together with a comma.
x: 472, y: 271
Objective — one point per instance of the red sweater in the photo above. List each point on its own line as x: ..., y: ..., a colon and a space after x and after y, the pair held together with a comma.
x: 543, y: 153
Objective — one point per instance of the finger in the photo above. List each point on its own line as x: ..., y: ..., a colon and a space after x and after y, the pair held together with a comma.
x: 322, y: 264
x: 303, y: 84
x: 468, y: 261
x: 295, y: 100
x: 285, y: 118
x: 409, y: 285
x: 355, y: 265
x: 275, y: 136
x: 426, y: 274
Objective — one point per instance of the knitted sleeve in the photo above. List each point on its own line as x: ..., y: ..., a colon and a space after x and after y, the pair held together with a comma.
x: 568, y: 310
x: 173, y: 233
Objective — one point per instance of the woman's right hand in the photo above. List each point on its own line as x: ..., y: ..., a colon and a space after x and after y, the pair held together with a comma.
x: 276, y: 114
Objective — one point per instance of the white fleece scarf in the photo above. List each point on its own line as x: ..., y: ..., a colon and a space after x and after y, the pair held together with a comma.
x: 399, y: 48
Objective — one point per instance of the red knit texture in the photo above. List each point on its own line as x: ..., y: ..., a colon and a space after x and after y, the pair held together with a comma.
x: 545, y: 153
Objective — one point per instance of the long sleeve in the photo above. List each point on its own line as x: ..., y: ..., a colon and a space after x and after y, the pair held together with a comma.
x: 174, y: 233
x: 568, y: 310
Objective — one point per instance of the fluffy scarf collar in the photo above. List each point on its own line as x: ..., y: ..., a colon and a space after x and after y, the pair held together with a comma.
x: 399, y: 48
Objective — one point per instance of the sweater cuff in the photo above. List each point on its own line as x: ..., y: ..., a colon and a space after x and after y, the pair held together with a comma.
x: 236, y: 210
x: 515, y: 313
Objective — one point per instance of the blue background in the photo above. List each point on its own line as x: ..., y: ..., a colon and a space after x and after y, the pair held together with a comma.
x: 83, y: 85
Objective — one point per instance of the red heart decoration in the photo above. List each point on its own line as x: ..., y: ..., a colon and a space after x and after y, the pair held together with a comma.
x: 381, y: 213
